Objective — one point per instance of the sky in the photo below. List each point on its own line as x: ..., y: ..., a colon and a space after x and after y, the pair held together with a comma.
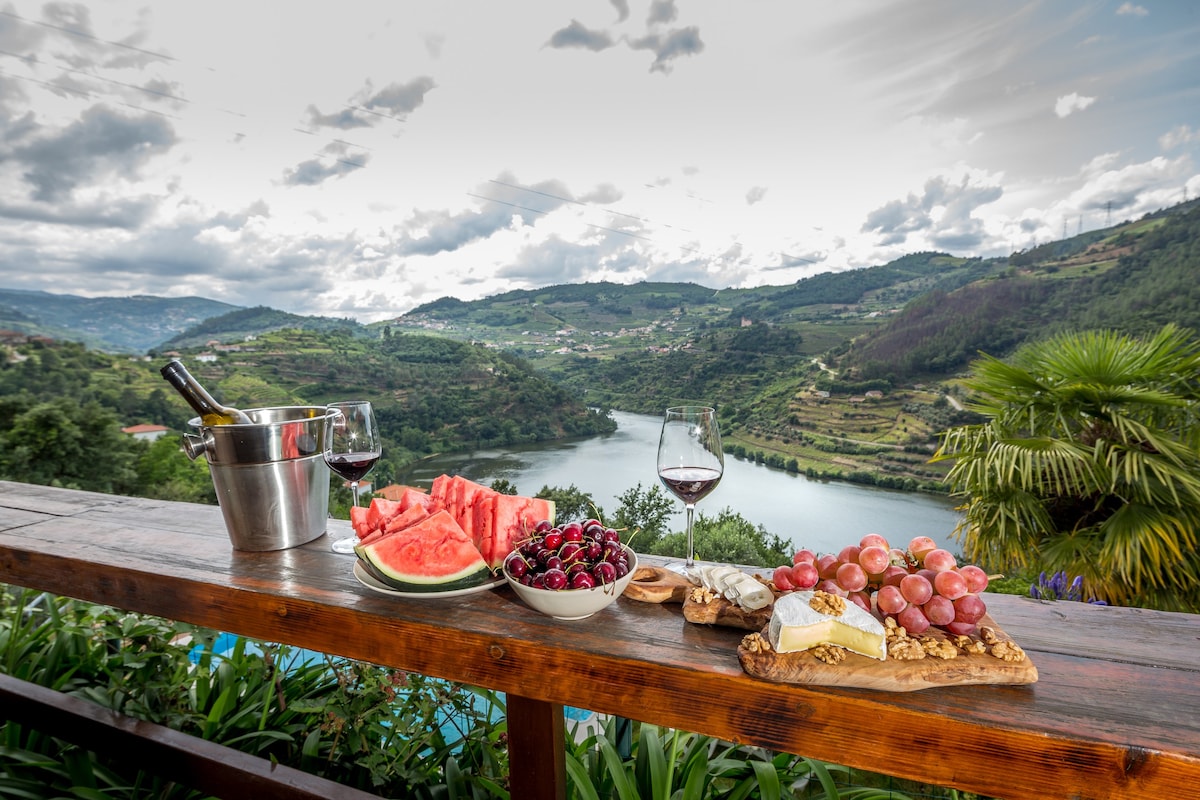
x: 357, y: 159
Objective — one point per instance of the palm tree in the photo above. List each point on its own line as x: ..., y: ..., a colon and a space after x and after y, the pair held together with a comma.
x: 1088, y: 462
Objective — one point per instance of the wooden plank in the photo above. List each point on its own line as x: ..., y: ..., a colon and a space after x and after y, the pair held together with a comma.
x: 537, y: 759
x: 194, y: 762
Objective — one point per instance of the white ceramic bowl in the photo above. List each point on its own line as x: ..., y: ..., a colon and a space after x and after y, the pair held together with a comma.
x: 573, y: 603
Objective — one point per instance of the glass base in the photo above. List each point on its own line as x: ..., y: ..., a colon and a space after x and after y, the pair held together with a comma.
x: 344, y: 545
x: 682, y: 568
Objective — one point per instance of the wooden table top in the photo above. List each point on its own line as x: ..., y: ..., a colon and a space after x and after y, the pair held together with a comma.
x: 1115, y: 712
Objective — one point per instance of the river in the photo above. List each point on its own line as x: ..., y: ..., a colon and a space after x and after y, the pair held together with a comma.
x: 823, y: 516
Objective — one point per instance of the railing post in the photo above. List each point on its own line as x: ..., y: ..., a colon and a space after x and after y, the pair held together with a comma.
x: 536, y: 749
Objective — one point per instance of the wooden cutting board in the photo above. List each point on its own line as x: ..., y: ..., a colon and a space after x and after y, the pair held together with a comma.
x: 893, y: 675
x: 659, y: 585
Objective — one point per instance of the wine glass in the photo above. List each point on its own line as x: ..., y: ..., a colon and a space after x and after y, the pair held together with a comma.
x: 352, y: 447
x: 690, y: 460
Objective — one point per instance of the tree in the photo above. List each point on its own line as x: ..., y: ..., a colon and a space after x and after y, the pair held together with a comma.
x: 65, y: 443
x: 570, y: 503
x: 727, y: 538
x: 643, y: 512
x: 1088, y: 462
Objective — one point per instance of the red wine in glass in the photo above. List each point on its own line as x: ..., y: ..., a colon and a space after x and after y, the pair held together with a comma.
x: 352, y: 446
x: 690, y: 484
x: 690, y: 460
x: 353, y: 467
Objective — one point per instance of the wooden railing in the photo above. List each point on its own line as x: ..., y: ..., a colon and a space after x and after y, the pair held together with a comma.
x: 1115, y: 712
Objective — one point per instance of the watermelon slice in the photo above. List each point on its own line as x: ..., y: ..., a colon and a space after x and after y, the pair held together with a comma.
x: 434, y: 555
x: 513, y: 519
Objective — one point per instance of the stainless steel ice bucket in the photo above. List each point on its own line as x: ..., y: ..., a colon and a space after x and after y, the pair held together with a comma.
x: 271, y: 479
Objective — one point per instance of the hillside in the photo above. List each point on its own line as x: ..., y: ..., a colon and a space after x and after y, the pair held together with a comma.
x: 430, y: 394
x: 112, y: 324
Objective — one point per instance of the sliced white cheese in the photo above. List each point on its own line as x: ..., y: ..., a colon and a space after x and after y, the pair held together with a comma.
x: 752, y: 595
x: 796, y: 626
x: 735, y: 586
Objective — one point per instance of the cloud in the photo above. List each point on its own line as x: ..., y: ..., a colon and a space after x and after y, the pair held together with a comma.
x: 1131, y: 10
x: 755, y: 194
x: 100, y: 145
x: 1135, y: 187
x: 1178, y: 136
x: 662, y: 12
x: 666, y: 48
x: 1070, y: 103
x: 365, y: 107
x: 943, y: 212
x: 622, y: 7
x: 432, y: 232
x: 577, y: 35
x: 335, y: 160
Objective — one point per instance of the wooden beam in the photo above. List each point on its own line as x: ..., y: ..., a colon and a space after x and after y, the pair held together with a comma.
x: 197, y: 763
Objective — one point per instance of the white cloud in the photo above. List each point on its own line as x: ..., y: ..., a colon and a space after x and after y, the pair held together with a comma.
x: 1131, y: 10
x: 1070, y: 103
x: 1179, y: 136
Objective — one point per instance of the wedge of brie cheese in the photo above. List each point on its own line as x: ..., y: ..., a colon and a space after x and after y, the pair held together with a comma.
x: 795, y: 625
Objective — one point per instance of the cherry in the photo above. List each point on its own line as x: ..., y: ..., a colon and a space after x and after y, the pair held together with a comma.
x: 553, y: 538
x: 604, y: 573
x: 554, y: 579
x: 582, y: 580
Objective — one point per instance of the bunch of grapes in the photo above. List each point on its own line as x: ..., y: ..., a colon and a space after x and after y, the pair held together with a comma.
x: 919, y: 587
x: 578, y: 555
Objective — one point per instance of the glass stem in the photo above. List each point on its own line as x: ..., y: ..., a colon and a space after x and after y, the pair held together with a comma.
x: 691, y: 551
x: 354, y: 491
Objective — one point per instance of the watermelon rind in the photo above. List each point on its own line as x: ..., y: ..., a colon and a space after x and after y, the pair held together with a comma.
x: 434, y: 555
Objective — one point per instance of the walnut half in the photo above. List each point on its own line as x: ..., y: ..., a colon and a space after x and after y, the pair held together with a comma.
x: 829, y: 604
x: 1008, y: 651
x: 756, y: 643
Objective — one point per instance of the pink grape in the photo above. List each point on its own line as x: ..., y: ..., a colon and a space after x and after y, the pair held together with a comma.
x: 898, y: 557
x: 804, y: 555
x: 916, y: 589
x: 950, y: 584
x: 920, y: 545
x: 827, y: 566
x: 889, y: 599
x: 939, y: 560
x: 830, y: 586
x: 849, y: 554
x: 851, y: 577
x: 927, y: 574
x: 862, y: 600
x: 938, y: 610
x: 913, y: 620
x: 782, y: 578
x: 873, y: 559
x: 893, y: 575
x: 977, y: 579
x: 961, y: 628
x: 969, y: 609
x: 873, y: 540
x: 805, y: 575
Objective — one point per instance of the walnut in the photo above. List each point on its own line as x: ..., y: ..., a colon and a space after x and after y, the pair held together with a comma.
x: 970, y: 645
x: 905, y: 649
x: 701, y: 595
x: 1008, y: 651
x: 988, y: 634
x: 893, y: 630
x: 939, y: 648
x: 756, y: 643
x: 826, y: 603
x: 830, y: 654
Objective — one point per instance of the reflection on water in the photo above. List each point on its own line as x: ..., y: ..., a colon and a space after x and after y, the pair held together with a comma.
x: 821, y: 516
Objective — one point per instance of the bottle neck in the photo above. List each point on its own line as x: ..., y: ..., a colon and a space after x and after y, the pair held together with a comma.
x: 211, y: 412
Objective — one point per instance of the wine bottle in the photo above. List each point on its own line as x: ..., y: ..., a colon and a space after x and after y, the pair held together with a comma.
x: 211, y: 412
